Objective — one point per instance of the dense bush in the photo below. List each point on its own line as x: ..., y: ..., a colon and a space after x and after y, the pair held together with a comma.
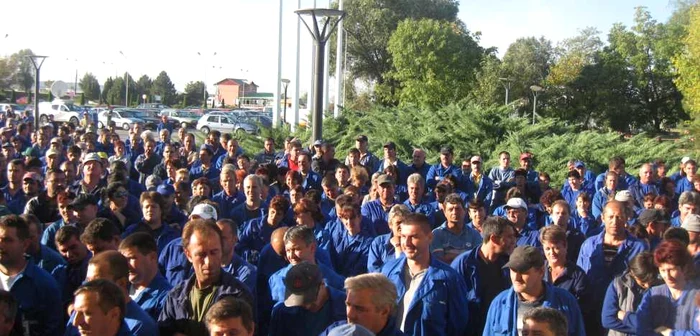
x: 471, y: 130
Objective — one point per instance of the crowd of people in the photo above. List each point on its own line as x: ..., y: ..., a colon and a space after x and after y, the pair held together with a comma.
x: 154, y: 235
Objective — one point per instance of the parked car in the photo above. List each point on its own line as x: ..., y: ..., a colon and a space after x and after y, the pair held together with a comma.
x: 258, y: 119
x: 15, y: 107
x: 181, y: 118
x: 156, y: 106
x: 122, y: 118
x: 62, y: 111
x: 225, y: 123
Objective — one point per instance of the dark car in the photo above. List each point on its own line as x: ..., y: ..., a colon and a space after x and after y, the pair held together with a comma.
x: 261, y: 120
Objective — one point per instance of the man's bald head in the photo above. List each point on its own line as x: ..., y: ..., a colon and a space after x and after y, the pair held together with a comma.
x: 277, y: 240
x: 614, y: 205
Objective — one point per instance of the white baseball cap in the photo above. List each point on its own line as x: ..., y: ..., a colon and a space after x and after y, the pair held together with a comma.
x: 516, y: 203
x: 204, y: 211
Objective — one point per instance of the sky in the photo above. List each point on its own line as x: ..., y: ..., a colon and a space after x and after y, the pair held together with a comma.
x: 239, y: 38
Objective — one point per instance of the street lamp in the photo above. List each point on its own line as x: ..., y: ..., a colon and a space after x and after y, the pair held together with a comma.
x: 536, y: 89
x: 286, y: 85
x: 329, y: 19
x: 506, y: 85
x: 37, y: 61
x: 126, y: 74
x: 75, y: 84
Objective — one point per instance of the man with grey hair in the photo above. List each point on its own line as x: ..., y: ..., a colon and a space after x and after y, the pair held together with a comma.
x: 371, y: 303
x: 688, y: 203
x: 543, y: 321
x: 482, y: 269
x: 645, y: 185
x: 229, y: 197
x: 416, y: 201
x: 252, y: 207
x: 453, y: 237
x: 418, y: 165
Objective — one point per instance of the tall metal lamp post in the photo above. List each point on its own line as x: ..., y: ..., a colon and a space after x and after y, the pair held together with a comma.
x: 506, y: 85
x: 536, y: 89
x: 323, y: 22
x: 126, y: 73
x: 37, y: 61
x: 285, y: 82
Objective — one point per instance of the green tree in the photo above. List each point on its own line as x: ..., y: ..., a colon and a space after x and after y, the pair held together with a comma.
x: 90, y: 86
x: 24, y: 70
x: 527, y: 62
x: 7, y: 69
x: 105, y: 90
x: 162, y: 86
x: 117, y: 92
x: 194, y: 91
x: 434, y: 62
x: 688, y: 64
x: 370, y: 24
x: 488, y: 88
x: 143, y: 86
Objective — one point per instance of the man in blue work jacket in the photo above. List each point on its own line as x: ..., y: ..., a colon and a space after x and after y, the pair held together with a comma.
x: 617, y: 165
x: 35, y: 290
x: 479, y: 185
x: 431, y: 294
x: 443, y: 168
x: 529, y: 291
x: 481, y: 268
x: 390, y: 159
x: 607, y: 255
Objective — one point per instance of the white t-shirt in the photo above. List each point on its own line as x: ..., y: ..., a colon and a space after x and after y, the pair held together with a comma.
x: 412, y: 282
x: 6, y: 281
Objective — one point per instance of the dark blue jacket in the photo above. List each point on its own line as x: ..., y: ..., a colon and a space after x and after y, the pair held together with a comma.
x: 380, y: 252
x: 173, y: 263
x: 255, y: 235
x: 423, y: 171
x: 570, y: 195
x: 623, y: 181
x: 136, y: 319
x: 312, y: 181
x: 683, y: 185
x: 379, y: 217
x: 350, y: 253
x: 47, y: 259
x: 269, y: 262
x: 14, y: 202
x: 176, y: 315
x: 600, y: 200
x: 437, y: 173
x: 227, y: 203
x: 425, y: 208
x: 483, y: 192
x: 39, y: 299
x: 168, y: 126
x: 639, y: 189
x: 591, y: 259
x: 294, y: 321
x: 466, y: 265
x: 197, y: 171
x: 438, y: 306
x: 152, y: 298
x: 277, y: 287
x: 162, y: 235
x: 588, y: 226
x: 658, y: 309
x: 503, y: 312
x: 403, y: 169
x: 390, y: 329
x: 529, y: 236
x: 243, y: 271
x: 239, y: 214
x: 573, y: 280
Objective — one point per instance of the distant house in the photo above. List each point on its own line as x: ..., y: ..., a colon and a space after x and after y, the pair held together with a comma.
x: 232, y: 91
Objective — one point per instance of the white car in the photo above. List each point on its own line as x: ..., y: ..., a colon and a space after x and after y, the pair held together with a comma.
x: 62, y: 111
x: 122, y: 119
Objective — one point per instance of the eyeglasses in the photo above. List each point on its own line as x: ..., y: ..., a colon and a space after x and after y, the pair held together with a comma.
x: 121, y: 194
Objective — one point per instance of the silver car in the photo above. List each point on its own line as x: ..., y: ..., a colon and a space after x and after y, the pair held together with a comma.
x: 225, y: 123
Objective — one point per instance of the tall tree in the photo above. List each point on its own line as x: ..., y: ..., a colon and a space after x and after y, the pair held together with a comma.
x: 433, y: 61
x: 105, y: 90
x: 163, y: 87
x: 143, y: 85
x: 527, y: 62
x: 6, y: 72
x: 488, y: 88
x: 24, y: 70
x: 90, y: 86
x: 688, y: 64
x: 117, y: 92
x: 194, y: 91
x: 370, y: 24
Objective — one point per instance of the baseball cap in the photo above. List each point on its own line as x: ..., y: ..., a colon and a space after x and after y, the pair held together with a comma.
x: 152, y: 182
x: 623, y: 196
x: 390, y: 145
x: 165, y: 190
x: 206, y: 148
x: 579, y: 164
x: 361, y: 138
x: 350, y: 329
x: 685, y: 159
x: 691, y: 223
x: 516, y: 203
x: 524, y: 258
x: 92, y: 157
x: 32, y: 176
x: 7, y: 144
x: 652, y: 215
x: 56, y: 140
x: 318, y: 143
x: 83, y: 200
x: 524, y: 156
x: 103, y: 155
x: 205, y: 211
x: 475, y: 158
x: 446, y: 150
x: 302, y: 284
x: 384, y: 178
x: 51, y: 151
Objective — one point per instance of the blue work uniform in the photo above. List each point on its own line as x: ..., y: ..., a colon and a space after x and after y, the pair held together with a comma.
x: 600, y: 200
x: 624, y: 294
x: 152, y: 298
x: 243, y: 271
x: 623, y: 181
x: 297, y: 321
x: 400, y: 166
x: 379, y: 217
x: 277, y: 287
x: 136, y: 319
x: 228, y: 202
x: 39, y: 300
x: 483, y: 191
x: 503, y: 312
x: 438, y: 306
x: 659, y: 309
x: 438, y: 173
x: 381, y: 251
x: 350, y: 253
x: 424, y: 207
x: 444, y: 241
x: 14, y: 202
x: 162, y: 235
x: 254, y: 237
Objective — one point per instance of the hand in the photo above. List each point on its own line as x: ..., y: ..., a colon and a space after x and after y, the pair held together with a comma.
x: 621, y: 315
x: 665, y: 331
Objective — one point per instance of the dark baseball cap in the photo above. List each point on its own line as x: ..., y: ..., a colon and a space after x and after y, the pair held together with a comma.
x: 302, y: 284
x: 83, y: 200
x: 524, y: 258
x: 165, y: 190
x: 446, y: 150
x: 384, y: 179
x: 390, y: 145
x: 653, y: 215
x: 361, y: 138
